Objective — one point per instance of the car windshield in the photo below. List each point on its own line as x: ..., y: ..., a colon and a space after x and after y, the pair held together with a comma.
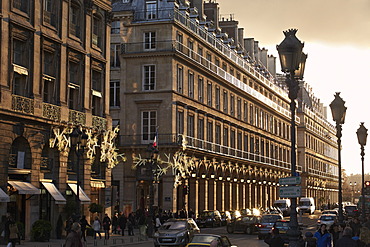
x: 203, y: 238
x: 350, y: 208
x: 282, y: 224
x: 327, y: 218
x: 270, y: 218
x: 330, y: 212
x: 206, y: 214
x: 280, y: 205
x: 173, y: 225
x: 304, y: 203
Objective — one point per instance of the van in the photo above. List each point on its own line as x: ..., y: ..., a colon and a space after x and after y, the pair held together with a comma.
x: 283, y: 205
x: 307, y: 205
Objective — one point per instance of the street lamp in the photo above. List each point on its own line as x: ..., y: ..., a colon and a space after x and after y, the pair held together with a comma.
x: 353, y: 185
x: 153, y: 177
x: 292, y: 61
x: 78, y: 141
x: 361, y: 136
x: 338, y: 111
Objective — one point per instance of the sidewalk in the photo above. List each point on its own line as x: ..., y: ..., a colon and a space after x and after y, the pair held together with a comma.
x: 114, y: 240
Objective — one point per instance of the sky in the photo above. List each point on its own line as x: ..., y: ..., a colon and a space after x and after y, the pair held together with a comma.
x: 336, y: 34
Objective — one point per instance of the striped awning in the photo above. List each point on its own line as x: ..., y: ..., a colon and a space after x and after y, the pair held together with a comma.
x: 3, y: 196
x: 24, y: 188
x: 55, y: 193
x: 82, y: 195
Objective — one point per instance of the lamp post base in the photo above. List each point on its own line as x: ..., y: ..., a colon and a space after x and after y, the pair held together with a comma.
x: 294, y: 238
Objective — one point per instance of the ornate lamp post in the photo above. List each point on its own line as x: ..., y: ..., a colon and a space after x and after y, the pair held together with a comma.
x: 338, y: 111
x: 78, y: 142
x: 153, y: 150
x: 362, y: 136
x: 292, y: 61
x: 353, y: 185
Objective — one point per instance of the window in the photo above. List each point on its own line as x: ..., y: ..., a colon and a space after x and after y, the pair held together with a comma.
x: 97, y: 31
x: 149, y: 125
x: 245, y: 111
x: 75, y: 19
x: 210, y: 132
x: 22, y: 5
x: 201, y: 128
x: 151, y: 9
x: 51, y: 11
x: 149, y: 77
x: 149, y: 40
x: 225, y: 101
x: 114, y: 55
x: 190, y: 84
x: 191, y: 48
x: 180, y: 122
x: 232, y: 105
x: 218, y: 98
x: 218, y: 134
x: 21, y: 65
x: 179, y: 39
x: 115, y: 27
x: 209, y: 94
x: 97, y: 89
x: 251, y: 116
x: 75, y: 80
x: 180, y: 79
x: 50, y: 72
x: 114, y: 94
x: 239, y: 109
x: 200, y: 89
x: 190, y: 125
x: 226, y: 137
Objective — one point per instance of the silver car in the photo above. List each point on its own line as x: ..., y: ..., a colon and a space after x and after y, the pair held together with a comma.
x: 175, y: 232
x: 327, y: 219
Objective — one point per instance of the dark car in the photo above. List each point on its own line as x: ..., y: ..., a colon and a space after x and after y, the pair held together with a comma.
x: 283, y: 226
x: 210, y: 218
x: 351, y: 211
x: 246, y: 223
x: 267, y: 223
x: 206, y: 239
x: 175, y: 232
x: 225, y: 217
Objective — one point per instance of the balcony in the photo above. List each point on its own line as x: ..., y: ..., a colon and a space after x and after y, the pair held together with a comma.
x: 51, y: 112
x: 99, y: 123
x: 174, y: 46
x: 23, y: 104
x: 76, y: 117
x: 210, y: 147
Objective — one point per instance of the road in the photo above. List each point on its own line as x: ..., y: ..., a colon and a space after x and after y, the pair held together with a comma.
x: 241, y: 239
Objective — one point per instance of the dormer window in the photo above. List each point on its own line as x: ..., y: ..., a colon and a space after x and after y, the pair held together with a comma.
x: 151, y: 10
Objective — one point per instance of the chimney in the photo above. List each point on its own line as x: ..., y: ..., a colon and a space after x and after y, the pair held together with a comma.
x: 212, y: 11
x: 271, y: 64
x: 263, y: 56
x: 199, y: 4
x: 241, y: 37
x: 249, y: 47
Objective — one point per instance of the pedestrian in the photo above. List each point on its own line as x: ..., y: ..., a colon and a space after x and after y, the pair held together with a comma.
x: 309, y: 240
x: 106, y: 226
x: 13, y: 232
x: 73, y: 238
x: 275, y: 240
x: 115, y: 223
x: 122, y: 222
x: 130, y: 224
x: 364, y: 237
x: 356, y: 226
x: 157, y: 222
x: 96, y: 226
x: 334, y: 231
x: 346, y: 240
x: 69, y: 223
x: 323, y: 237
x: 84, y: 224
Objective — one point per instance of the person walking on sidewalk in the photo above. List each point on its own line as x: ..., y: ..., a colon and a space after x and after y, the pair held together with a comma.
x: 115, y: 223
x: 122, y: 221
x: 73, y: 238
x: 323, y: 237
x: 130, y: 224
x: 84, y: 224
x: 96, y: 226
x: 106, y: 226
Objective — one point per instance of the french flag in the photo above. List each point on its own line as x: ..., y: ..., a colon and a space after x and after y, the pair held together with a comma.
x: 155, y: 141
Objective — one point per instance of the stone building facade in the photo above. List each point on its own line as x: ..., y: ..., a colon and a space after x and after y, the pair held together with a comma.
x: 214, y: 100
x: 54, y: 77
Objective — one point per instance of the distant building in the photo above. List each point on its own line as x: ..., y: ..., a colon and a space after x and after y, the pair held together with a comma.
x: 213, y: 97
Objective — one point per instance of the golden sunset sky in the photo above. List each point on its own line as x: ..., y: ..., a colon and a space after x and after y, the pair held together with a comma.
x: 336, y: 34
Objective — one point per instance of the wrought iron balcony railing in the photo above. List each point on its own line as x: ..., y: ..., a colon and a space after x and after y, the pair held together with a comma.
x: 23, y: 104
x: 77, y: 117
x: 51, y: 112
x: 99, y: 123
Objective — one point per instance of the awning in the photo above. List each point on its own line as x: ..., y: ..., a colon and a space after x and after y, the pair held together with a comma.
x: 97, y: 184
x: 24, y: 188
x: 83, y: 197
x: 3, y: 196
x: 54, y: 192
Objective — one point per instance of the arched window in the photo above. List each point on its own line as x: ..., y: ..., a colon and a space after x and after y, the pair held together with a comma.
x: 20, y: 154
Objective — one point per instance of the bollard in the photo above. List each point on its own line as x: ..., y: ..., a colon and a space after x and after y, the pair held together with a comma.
x: 105, y: 241
x: 95, y: 242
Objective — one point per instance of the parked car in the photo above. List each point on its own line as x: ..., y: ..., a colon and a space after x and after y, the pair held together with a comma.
x: 175, y: 232
x: 206, y: 239
x: 351, y: 211
x: 327, y: 219
x: 210, y: 218
x: 331, y: 211
x: 266, y: 224
x: 246, y: 223
x: 225, y: 217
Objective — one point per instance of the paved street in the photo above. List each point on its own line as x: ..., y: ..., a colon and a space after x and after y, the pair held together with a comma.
x: 239, y: 239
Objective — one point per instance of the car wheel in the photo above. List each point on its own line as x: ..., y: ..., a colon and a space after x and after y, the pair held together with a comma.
x: 229, y: 229
x: 248, y: 230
